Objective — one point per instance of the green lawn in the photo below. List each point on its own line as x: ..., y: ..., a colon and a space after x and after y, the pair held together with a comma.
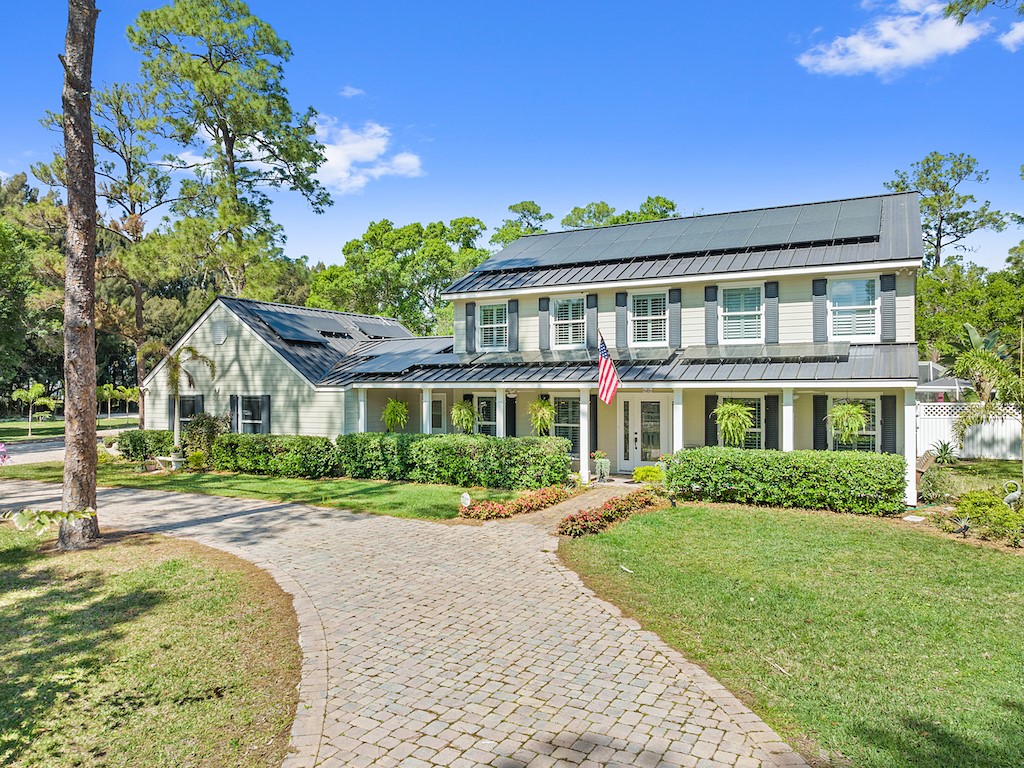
x: 147, y: 651
x: 436, y: 502
x: 893, y: 647
x: 13, y: 431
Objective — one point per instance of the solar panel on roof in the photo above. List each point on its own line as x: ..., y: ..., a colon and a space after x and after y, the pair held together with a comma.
x: 289, y: 327
x: 380, y: 330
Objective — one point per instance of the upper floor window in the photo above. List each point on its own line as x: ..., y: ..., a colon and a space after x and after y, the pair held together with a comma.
x: 854, y: 308
x: 742, y: 314
x: 650, y: 318
x: 867, y: 440
x: 494, y: 326
x: 569, y: 321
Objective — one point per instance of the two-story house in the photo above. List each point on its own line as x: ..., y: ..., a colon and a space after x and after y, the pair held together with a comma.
x: 788, y: 309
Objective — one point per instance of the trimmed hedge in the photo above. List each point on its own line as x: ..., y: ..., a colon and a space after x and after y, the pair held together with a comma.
x: 492, y: 462
x: 142, y: 444
x: 596, y: 519
x: 281, y: 455
x: 841, y: 481
x: 376, y: 455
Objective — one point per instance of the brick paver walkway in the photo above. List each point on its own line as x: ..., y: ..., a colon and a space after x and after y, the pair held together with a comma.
x: 428, y: 644
x: 548, y: 519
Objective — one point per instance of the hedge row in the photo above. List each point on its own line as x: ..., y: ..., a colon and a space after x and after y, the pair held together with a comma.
x: 597, y: 519
x: 841, y: 481
x: 531, y: 501
x: 142, y: 444
x: 282, y: 455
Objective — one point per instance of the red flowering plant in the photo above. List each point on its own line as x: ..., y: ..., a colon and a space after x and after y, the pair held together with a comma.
x: 527, y: 502
x: 597, y: 519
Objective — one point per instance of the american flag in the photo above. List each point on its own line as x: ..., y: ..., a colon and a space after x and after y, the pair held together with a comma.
x: 607, y: 378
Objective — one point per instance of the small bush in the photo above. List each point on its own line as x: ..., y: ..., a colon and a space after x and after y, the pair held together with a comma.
x: 142, y: 444
x: 938, y: 485
x: 841, y: 481
x: 199, y: 434
x: 528, y: 502
x: 597, y: 519
x: 651, y: 474
x: 990, y: 518
x: 196, y: 461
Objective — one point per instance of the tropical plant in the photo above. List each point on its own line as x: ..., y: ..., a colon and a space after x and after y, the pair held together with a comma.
x: 105, y: 393
x: 176, y: 371
x: 36, y: 399
x: 734, y: 419
x: 542, y: 416
x: 847, y: 421
x: 128, y: 395
x: 989, y: 342
x: 944, y: 453
x: 464, y: 416
x: 395, y: 415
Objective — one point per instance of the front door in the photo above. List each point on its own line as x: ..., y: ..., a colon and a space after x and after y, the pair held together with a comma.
x: 643, y: 436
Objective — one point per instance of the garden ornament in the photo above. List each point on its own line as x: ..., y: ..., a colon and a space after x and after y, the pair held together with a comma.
x: 1011, y: 499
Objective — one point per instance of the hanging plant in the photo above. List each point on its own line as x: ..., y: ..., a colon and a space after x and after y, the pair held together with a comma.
x: 542, y: 416
x: 395, y: 415
x: 734, y: 419
x: 464, y: 416
x: 847, y: 421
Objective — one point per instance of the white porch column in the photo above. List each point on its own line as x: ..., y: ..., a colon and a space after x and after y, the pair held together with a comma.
x: 499, y: 411
x: 677, y: 420
x: 910, y: 443
x: 428, y: 397
x: 585, y: 435
x: 362, y: 411
x: 788, y: 431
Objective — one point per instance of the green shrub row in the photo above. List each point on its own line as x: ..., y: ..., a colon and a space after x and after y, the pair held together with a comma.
x: 531, y: 501
x: 597, y: 519
x: 841, y: 481
x: 142, y: 444
x: 282, y: 455
x: 376, y: 455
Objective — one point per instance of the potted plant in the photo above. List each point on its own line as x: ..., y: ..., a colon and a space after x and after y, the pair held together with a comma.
x: 734, y: 419
x: 542, y: 416
x: 602, y: 465
x: 463, y: 416
x: 396, y: 415
x: 847, y: 421
x: 177, y: 458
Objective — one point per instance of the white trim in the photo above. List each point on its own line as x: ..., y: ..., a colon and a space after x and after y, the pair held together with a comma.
x: 632, y: 342
x: 551, y: 321
x: 721, y: 312
x: 874, y: 338
x: 480, y: 330
x: 760, y: 274
x: 787, y: 418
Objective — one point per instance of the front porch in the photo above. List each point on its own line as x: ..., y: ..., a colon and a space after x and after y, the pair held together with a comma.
x: 643, y: 424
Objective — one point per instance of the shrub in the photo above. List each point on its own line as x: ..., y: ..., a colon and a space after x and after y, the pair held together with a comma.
x: 199, y: 434
x: 243, y: 453
x: 528, y: 502
x: 990, y: 518
x: 597, y: 519
x: 377, y: 456
x: 841, y: 481
x: 651, y: 474
x: 196, y: 461
x: 142, y: 444
x: 493, y: 462
x: 937, y: 485
x: 282, y: 455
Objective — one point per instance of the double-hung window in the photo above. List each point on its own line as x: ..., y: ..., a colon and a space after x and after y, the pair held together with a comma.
x: 650, y: 318
x: 854, y: 308
x: 567, y: 421
x: 187, y: 408
x: 867, y: 440
x: 742, y: 314
x: 487, y: 416
x: 494, y: 326
x: 754, y: 438
x: 251, y: 417
x: 569, y: 323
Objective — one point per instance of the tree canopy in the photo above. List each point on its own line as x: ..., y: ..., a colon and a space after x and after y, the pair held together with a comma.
x: 600, y: 214
x: 528, y: 219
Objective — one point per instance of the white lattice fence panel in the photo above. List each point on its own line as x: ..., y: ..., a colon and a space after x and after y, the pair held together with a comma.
x: 999, y: 439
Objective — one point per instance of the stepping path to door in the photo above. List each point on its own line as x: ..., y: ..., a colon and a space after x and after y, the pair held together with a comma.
x: 428, y: 644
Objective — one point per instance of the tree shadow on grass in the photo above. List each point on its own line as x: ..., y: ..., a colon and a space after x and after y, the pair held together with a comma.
x: 923, y: 744
x: 56, y: 634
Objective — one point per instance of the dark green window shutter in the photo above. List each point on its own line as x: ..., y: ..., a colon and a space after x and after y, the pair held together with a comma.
x: 771, y: 312
x: 888, y: 286
x: 172, y: 412
x: 510, y: 416
x: 199, y: 404
x: 621, y: 321
x: 820, y: 425
x: 265, y: 408
x: 819, y: 304
x: 591, y: 316
x: 711, y: 315
x: 593, y: 423
x: 888, y: 424
x: 675, y: 318
x: 771, y: 422
x: 710, y: 422
x: 470, y: 326
x: 233, y: 407
x: 544, y: 323
x: 513, y: 325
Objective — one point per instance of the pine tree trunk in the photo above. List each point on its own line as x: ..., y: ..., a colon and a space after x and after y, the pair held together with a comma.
x: 140, y: 365
x: 79, y: 282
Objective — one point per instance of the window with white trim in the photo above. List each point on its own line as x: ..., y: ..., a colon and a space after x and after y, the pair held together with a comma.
x: 742, y: 314
x: 754, y: 438
x: 650, y: 318
x: 250, y: 419
x: 487, y: 415
x: 187, y: 408
x: 867, y: 440
x: 493, y: 326
x: 569, y: 323
x: 854, y: 308
x: 567, y: 421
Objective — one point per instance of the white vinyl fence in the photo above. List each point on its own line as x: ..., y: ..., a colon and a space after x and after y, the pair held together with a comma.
x: 995, y: 440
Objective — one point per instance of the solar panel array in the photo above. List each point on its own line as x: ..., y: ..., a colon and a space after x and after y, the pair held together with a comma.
x: 290, y: 327
x: 812, y: 223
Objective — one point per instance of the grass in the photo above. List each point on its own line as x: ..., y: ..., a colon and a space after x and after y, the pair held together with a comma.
x: 855, y: 637
x: 144, y: 651
x: 13, y: 431
x: 431, y: 502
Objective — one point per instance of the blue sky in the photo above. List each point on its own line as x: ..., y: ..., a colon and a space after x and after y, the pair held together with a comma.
x: 438, y: 110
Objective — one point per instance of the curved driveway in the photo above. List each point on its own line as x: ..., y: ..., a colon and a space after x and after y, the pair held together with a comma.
x: 456, y: 645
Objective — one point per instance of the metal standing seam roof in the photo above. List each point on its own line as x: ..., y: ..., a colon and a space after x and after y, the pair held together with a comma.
x: 859, y: 230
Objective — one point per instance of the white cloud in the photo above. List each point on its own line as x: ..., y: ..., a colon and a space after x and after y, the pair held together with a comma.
x: 350, y: 90
x: 1013, y: 39
x: 356, y: 156
x: 910, y: 33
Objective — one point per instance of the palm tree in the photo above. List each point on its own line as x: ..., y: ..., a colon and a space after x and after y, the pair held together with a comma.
x: 176, y: 371
x: 105, y: 394
x: 34, y: 397
x: 127, y: 395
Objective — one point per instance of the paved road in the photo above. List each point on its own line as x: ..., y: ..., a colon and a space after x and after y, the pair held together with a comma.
x: 42, y: 450
x: 428, y: 644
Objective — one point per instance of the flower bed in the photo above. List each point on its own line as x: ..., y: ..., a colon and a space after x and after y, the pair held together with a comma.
x: 597, y: 519
x: 528, y: 502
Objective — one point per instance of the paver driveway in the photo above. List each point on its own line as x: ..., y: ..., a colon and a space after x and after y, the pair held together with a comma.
x: 428, y: 644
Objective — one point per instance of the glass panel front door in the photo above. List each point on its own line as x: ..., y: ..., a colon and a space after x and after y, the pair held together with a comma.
x: 643, y: 435
x: 650, y: 430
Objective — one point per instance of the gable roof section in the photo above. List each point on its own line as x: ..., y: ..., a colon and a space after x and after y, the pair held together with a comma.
x: 841, y: 232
